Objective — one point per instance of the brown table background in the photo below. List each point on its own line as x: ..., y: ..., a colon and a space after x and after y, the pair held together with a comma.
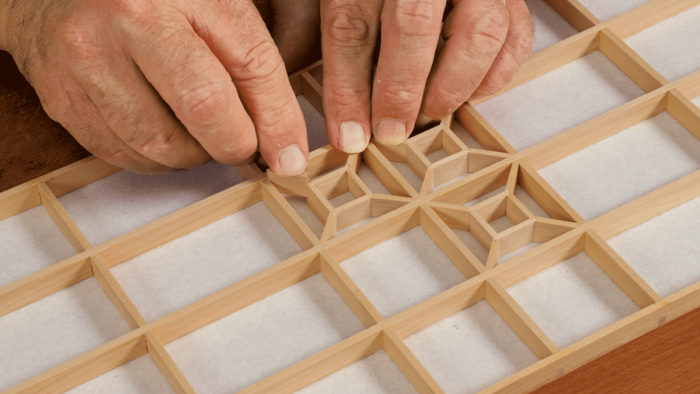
x: 666, y: 360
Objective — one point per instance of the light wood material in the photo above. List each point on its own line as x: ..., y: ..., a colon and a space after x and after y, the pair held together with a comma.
x: 409, y: 364
x: 518, y: 320
x: 167, y: 366
x: 437, y: 211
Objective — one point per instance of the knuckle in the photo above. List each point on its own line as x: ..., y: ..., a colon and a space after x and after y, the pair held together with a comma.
x: 260, y: 61
x: 77, y: 39
x: 204, y: 105
x: 491, y: 27
x: 417, y: 18
x: 236, y: 153
x: 348, y: 25
x: 400, y: 95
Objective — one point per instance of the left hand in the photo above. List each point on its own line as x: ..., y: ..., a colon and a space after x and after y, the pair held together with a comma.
x: 486, y: 42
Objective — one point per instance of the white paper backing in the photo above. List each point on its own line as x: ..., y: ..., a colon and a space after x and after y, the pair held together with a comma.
x: 606, y: 9
x: 559, y: 100
x: 126, y: 201
x: 376, y: 374
x: 572, y: 300
x: 625, y: 166
x: 55, y: 329
x: 266, y: 337
x: 205, y: 261
x: 140, y: 376
x: 470, y: 350
x: 664, y: 250
x: 550, y: 27
x: 30, y: 242
x: 671, y: 46
x: 402, y: 272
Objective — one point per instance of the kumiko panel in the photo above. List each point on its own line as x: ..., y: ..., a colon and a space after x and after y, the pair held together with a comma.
x: 502, y: 248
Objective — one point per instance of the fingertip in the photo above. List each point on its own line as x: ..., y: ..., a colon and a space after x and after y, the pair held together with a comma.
x: 352, y: 137
x: 291, y: 161
x: 391, y: 132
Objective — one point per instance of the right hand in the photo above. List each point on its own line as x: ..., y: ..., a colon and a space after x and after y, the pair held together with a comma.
x: 155, y: 85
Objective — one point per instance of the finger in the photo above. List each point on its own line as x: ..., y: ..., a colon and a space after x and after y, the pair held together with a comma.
x: 474, y: 34
x: 74, y: 110
x: 515, y: 51
x: 238, y: 37
x: 410, y: 32
x: 192, y: 81
x: 295, y: 29
x: 348, y: 37
x: 136, y: 113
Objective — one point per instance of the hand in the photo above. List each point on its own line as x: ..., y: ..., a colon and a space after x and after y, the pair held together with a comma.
x: 153, y: 85
x: 486, y: 42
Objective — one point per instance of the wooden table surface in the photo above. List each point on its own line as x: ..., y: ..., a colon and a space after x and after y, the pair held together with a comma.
x: 666, y: 360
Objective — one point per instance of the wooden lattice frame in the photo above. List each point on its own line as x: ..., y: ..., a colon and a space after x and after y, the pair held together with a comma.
x: 563, y: 235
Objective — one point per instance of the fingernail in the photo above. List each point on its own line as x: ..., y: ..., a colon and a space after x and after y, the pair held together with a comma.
x: 292, y: 161
x: 423, y: 120
x: 351, y: 138
x: 391, y: 132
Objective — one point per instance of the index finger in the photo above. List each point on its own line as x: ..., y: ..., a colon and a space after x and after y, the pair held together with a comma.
x: 410, y: 33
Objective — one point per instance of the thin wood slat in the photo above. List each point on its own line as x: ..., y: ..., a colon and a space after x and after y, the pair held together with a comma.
x: 575, y: 13
x: 519, y: 320
x: 685, y: 112
x: 353, y: 296
x: 284, y: 212
x: 619, y: 271
x: 116, y: 294
x: 62, y: 219
x: 630, y: 62
x: 409, y: 364
x: 167, y: 366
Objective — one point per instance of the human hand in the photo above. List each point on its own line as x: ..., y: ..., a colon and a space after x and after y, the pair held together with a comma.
x: 153, y: 85
x: 486, y: 42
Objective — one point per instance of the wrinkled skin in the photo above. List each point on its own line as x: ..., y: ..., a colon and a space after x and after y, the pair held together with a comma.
x: 155, y: 85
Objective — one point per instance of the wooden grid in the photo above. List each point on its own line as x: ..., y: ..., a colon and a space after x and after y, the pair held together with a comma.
x: 331, y: 173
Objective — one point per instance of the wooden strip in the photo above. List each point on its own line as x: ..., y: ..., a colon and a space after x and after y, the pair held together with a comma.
x: 476, y: 185
x: 353, y: 296
x: 451, y: 143
x: 450, y: 168
x: 318, y: 203
x: 117, y: 294
x: 19, y: 199
x: 320, y: 365
x: 619, y: 271
x: 428, y: 141
x: 356, y: 186
x: 387, y: 173
x: 480, y: 159
x: 428, y: 182
x: 289, y: 218
x: 685, y: 112
x: 450, y: 244
x: 294, y: 185
x: 249, y: 171
x: 512, y: 183
x: 482, y: 231
x: 408, y: 364
x: 417, y: 161
x: 646, y: 15
x: 354, y: 162
x: 333, y: 183
x: 85, y: 367
x: 312, y: 91
x: 516, y: 237
x: 545, y: 196
x: 382, y: 204
x: 494, y: 254
x: 516, y: 211
x: 454, y: 216
x: 325, y: 159
x: 481, y: 130
x: 330, y: 229
x: 547, y: 229
x: 167, y: 366
x: 630, y: 62
x: 353, y: 212
x: 575, y: 13
x: 44, y: 283
x: 62, y: 220
x: 492, y: 208
x: 519, y: 320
